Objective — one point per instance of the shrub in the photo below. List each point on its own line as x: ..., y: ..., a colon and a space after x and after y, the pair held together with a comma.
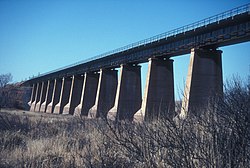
x: 218, y: 137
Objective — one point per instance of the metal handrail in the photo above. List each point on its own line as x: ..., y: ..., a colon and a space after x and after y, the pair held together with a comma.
x: 213, y: 19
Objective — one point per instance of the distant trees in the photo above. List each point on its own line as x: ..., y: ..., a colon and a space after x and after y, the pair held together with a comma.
x: 12, y: 95
x: 5, y: 79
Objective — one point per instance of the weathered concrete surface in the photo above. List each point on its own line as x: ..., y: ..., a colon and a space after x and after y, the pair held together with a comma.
x: 128, y: 96
x: 89, y: 89
x: 204, y: 79
x: 64, y: 96
x: 55, y: 96
x: 75, y: 95
x: 37, y: 96
x: 48, y: 97
x: 33, y: 94
x: 158, y: 98
x: 106, y: 91
x: 42, y: 96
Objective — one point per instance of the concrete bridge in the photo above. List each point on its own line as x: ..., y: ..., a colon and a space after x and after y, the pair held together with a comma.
x: 92, y: 87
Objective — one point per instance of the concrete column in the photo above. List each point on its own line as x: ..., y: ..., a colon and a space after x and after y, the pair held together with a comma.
x: 89, y: 89
x: 128, y: 96
x: 158, y: 98
x: 55, y: 96
x: 75, y: 95
x: 33, y: 93
x: 105, y: 96
x: 64, y: 96
x: 204, y: 79
x: 48, y: 97
x: 37, y: 97
x: 42, y: 96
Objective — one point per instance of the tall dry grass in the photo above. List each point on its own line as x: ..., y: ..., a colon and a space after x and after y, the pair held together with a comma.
x: 218, y: 137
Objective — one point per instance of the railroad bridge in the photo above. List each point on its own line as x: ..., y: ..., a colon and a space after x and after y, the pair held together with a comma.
x: 92, y: 87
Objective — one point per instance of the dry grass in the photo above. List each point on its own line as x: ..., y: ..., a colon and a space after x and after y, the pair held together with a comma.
x: 218, y: 137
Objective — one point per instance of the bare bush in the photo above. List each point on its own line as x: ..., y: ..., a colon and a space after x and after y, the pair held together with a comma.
x: 13, y: 95
x: 5, y: 79
x: 218, y: 137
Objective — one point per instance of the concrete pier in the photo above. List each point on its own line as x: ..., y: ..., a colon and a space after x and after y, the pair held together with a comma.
x: 48, y: 97
x: 89, y: 89
x: 33, y: 94
x: 75, y: 95
x: 37, y: 96
x: 128, y: 96
x: 105, y: 96
x: 64, y: 96
x: 42, y: 96
x: 55, y: 96
x: 158, y: 101
x: 204, y: 79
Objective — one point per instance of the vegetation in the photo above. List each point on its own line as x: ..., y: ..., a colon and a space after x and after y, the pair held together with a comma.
x: 218, y: 137
x: 13, y: 95
x: 5, y: 79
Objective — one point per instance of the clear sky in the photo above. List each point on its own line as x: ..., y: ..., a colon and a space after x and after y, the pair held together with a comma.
x: 37, y: 36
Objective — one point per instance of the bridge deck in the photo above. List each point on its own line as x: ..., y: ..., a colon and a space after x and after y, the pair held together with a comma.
x: 227, y: 28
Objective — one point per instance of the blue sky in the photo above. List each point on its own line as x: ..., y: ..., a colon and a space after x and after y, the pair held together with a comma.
x: 39, y: 36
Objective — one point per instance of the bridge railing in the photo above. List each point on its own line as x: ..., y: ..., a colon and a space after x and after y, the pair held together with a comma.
x: 190, y: 27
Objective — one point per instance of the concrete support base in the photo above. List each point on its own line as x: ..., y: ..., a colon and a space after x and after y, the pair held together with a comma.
x: 105, y: 97
x: 42, y: 96
x: 158, y: 98
x: 128, y: 96
x: 204, y: 79
x: 48, y: 97
x: 55, y: 96
x: 33, y: 93
x: 89, y: 89
x: 37, y: 96
x: 64, y: 96
x: 75, y: 95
